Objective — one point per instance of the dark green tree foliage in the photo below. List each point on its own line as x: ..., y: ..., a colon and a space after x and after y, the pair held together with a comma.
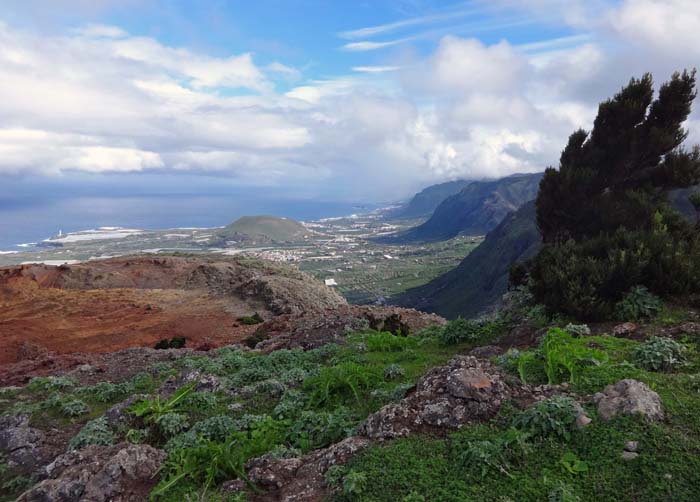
x: 604, y: 214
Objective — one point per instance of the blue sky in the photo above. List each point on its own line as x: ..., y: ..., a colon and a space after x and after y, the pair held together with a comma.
x: 332, y: 99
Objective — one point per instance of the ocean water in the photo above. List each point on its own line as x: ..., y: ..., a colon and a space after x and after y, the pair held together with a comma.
x: 30, y: 219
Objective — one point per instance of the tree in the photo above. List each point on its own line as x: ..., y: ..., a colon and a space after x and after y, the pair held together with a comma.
x: 619, y: 174
x: 604, y: 214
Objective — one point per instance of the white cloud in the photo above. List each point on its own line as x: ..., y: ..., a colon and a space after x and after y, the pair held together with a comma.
x: 101, y: 100
x: 375, y: 69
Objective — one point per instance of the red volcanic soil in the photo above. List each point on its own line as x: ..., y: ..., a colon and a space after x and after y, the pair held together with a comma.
x: 105, y: 306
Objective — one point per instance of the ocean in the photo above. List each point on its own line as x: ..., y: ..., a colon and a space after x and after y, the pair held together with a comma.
x: 31, y: 219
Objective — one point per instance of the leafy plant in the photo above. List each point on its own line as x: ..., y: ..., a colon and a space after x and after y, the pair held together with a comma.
x: 210, y: 462
x: 50, y: 384
x: 354, y: 483
x: 659, y: 354
x: 494, y: 455
x: 316, y: 429
x: 96, y: 431
x: 153, y: 410
x: 550, y: 417
x: 572, y: 464
x: 334, y: 475
x: 105, y: 392
x: 346, y: 379
x: 393, y: 371
x: 564, y: 356
x: 171, y: 424
x: 638, y: 303
x: 74, y: 408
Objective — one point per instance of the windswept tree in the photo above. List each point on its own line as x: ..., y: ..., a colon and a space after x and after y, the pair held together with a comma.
x: 618, y: 175
x: 604, y: 214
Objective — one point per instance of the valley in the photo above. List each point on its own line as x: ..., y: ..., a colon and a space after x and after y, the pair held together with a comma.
x: 343, y: 252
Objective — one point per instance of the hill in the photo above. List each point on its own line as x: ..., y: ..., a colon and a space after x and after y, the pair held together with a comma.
x: 265, y: 229
x: 475, y: 210
x: 481, y: 279
x: 427, y: 200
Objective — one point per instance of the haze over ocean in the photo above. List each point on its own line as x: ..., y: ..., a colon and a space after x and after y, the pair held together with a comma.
x: 28, y: 219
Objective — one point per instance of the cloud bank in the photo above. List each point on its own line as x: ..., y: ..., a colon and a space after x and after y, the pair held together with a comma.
x: 100, y: 100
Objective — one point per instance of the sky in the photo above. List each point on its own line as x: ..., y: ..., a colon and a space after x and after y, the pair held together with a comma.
x: 325, y: 99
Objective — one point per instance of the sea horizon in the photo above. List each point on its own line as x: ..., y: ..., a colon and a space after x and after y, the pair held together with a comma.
x: 28, y: 220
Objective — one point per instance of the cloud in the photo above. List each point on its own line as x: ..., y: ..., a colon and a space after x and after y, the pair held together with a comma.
x: 375, y: 69
x: 101, y: 100
x: 405, y: 23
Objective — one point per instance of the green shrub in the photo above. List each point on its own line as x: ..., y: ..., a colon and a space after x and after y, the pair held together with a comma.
x: 74, y: 408
x: 459, y: 330
x: 317, y: 429
x: 393, y: 372
x: 105, y: 392
x: 50, y: 384
x: 94, y: 432
x: 551, y: 417
x: 176, y: 342
x: 172, y: 424
x: 291, y: 404
x: 354, y: 483
x: 215, y: 428
x: 589, y: 280
x: 413, y: 497
x: 637, y: 304
x: 494, y: 455
x: 659, y: 354
x: 334, y: 475
x: 251, y: 319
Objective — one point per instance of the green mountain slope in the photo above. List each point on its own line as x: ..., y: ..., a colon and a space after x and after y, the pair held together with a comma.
x: 264, y: 228
x: 475, y: 210
x: 427, y: 200
x: 481, y: 279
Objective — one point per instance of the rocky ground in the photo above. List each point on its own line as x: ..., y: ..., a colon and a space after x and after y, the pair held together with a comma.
x: 344, y: 403
x: 108, y: 305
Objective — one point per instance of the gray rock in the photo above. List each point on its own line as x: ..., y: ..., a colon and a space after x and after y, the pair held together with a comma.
x: 20, y: 443
x: 629, y: 397
x: 119, y: 473
x: 302, y: 478
x: 624, y: 329
x: 629, y: 455
x: 466, y: 390
x: 632, y: 446
x: 118, y: 415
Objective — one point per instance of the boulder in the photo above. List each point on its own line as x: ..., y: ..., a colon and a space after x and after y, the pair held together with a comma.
x: 624, y: 329
x: 302, y: 478
x: 20, y: 443
x: 119, y: 473
x: 629, y: 397
x: 464, y: 391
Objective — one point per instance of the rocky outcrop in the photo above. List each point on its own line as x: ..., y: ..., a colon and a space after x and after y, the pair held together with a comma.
x: 301, y: 478
x: 464, y: 391
x: 311, y: 330
x: 629, y: 397
x: 20, y: 443
x: 120, y: 473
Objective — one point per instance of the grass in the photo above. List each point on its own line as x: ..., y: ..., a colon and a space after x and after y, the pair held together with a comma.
x: 296, y: 401
x: 587, y: 464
